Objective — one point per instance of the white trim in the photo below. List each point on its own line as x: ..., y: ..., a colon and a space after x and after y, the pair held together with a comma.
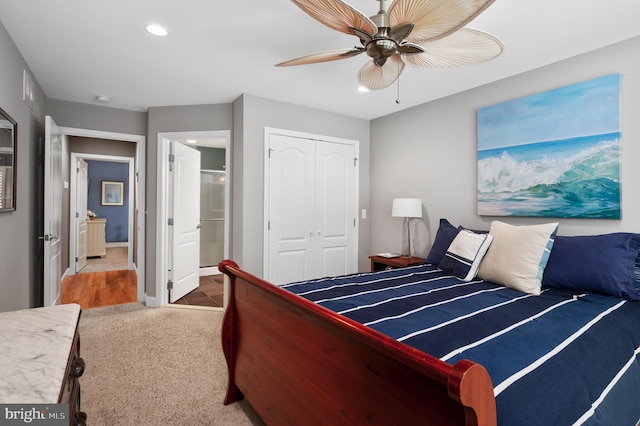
x: 122, y: 244
x: 163, y: 140
x: 139, y: 180
x: 268, y: 131
x: 211, y: 270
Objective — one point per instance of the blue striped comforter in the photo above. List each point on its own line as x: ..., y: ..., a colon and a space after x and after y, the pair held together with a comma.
x: 555, y: 359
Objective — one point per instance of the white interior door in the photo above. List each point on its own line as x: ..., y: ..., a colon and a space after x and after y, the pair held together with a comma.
x: 291, y: 209
x: 52, y: 212
x: 185, y: 235
x: 82, y: 173
x: 312, y: 209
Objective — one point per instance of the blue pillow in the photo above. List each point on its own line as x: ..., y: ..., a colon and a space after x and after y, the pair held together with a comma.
x: 595, y: 263
x: 444, y: 237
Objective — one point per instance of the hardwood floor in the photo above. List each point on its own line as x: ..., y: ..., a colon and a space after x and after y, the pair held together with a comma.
x: 95, y: 289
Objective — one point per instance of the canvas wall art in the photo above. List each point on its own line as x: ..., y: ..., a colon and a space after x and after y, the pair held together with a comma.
x: 552, y: 154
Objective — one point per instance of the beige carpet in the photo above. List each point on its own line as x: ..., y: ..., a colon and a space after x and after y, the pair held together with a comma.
x: 116, y: 259
x: 156, y: 366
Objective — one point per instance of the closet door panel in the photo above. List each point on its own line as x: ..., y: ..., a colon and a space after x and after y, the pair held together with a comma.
x: 335, y: 208
x: 290, y: 205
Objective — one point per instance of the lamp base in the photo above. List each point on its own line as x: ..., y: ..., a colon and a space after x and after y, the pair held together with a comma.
x: 406, y: 253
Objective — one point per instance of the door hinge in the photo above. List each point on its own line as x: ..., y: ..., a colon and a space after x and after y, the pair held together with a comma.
x: 355, y: 161
x: 172, y: 159
x: 354, y: 221
x: 77, y: 214
x: 270, y: 150
x: 170, y: 221
x: 170, y: 285
x: 76, y: 260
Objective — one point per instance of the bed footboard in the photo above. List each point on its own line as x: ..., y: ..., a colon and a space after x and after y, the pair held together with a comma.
x: 298, y: 363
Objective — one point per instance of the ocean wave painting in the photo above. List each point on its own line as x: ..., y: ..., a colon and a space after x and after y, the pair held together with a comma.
x: 553, y: 154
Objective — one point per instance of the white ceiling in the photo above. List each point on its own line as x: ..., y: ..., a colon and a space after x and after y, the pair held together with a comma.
x: 217, y: 50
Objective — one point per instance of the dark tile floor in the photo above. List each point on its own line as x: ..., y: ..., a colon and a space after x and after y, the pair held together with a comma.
x: 208, y: 293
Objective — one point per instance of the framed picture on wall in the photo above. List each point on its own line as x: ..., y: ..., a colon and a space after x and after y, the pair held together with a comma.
x: 553, y: 154
x: 8, y: 139
x: 112, y: 193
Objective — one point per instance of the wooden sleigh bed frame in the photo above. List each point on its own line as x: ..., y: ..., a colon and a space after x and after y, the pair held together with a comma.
x: 298, y: 363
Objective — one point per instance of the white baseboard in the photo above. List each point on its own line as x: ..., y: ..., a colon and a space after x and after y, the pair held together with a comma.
x: 118, y: 244
x: 211, y: 270
x: 151, y: 302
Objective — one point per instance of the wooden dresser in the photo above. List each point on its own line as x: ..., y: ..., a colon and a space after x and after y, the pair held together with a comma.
x: 96, y: 237
x: 40, y: 350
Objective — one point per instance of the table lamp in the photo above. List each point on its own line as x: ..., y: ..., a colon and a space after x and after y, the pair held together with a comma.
x: 407, y: 208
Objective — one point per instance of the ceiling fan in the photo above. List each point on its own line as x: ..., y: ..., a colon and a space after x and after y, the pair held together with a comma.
x: 425, y: 34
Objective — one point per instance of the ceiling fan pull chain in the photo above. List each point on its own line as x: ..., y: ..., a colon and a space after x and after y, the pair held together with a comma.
x: 398, y: 90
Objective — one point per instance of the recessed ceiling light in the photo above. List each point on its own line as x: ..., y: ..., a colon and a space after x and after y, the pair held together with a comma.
x: 103, y: 98
x: 362, y: 89
x: 157, y: 30
x: 192, y: 141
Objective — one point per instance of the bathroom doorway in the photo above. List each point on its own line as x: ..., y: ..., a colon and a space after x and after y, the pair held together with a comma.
x: 214, y: 147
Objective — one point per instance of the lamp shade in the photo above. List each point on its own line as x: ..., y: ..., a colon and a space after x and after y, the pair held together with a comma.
x: 406, y: 207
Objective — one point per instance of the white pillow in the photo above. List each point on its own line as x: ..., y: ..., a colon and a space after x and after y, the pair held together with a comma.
x: 518, y: 255
x: 463, y: 256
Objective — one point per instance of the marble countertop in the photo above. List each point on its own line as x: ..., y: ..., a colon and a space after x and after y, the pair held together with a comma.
x: 34, y: 350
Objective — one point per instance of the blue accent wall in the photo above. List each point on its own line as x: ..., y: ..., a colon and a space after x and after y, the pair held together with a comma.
x: 117, y: 229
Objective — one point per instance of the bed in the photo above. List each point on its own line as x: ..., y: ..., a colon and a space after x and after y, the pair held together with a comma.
x: 429, y: 344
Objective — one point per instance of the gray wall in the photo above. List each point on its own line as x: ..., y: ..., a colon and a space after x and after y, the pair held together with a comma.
x: 174, y: 119
x: 429, y: 151
x: 20, y: 249
x: 251, y: 115
x: 94, y: 117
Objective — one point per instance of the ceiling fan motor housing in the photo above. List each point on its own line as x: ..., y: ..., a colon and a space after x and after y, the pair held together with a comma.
x: 380, y: 49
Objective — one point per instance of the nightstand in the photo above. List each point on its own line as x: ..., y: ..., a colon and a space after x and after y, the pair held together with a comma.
x: 379, y: 263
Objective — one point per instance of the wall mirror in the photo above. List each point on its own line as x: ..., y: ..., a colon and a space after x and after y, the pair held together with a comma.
x: 8, y: 139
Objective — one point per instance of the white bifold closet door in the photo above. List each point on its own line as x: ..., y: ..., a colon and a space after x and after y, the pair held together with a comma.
x: 312, y: 209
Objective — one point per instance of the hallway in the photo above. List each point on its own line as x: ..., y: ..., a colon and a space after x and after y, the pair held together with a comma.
x: 95, y: 289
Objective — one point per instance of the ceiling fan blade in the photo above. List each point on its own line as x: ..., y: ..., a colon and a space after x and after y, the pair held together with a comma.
x: 330, y: 55
x: 462, y: 48
x: 434, y: 19
x: 338, y: 15
x: 364, y: 37
x: 375, y: 77
x: 400, y: 32
x: 410, y: 48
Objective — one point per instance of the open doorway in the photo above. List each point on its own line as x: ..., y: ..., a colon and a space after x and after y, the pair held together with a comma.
x: 101, y: 234
x: 214, y: 212
x: 124, y: 235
